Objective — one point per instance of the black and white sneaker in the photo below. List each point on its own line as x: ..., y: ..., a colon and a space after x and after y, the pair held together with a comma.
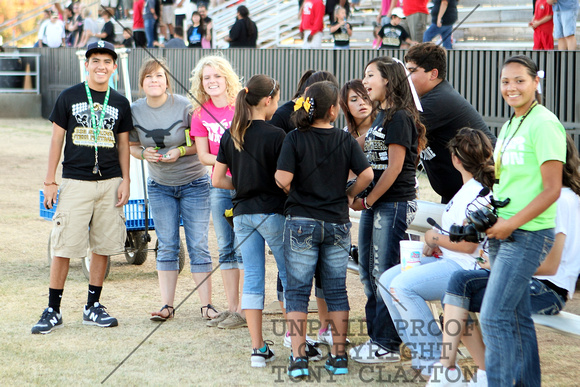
x: 96, y: 315
x: 48, y: 321
x: 259, y: 358
x: 313, y: 353
x: 298, y: 368
x: 337, y: 365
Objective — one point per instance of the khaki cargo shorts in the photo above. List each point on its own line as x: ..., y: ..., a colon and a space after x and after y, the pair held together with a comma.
x: 86, y: 216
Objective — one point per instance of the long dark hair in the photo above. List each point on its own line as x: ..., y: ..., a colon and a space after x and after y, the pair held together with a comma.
x: 398, y: 95
x: 302, y: 83
x: 201, y: 27
x: 245, y: 14
x: 321, y: 96
x: 258, y: 87
x: 473, y: 148
x: 531, y: 69
x: 571, y: 171
x: 357, y: 86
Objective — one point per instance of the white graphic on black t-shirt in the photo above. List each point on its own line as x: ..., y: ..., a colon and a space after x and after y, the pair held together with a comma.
x: 83, y: 134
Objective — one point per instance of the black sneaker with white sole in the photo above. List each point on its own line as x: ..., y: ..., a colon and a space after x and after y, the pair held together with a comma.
x: 97, y: 315
x: 48, y: 321
x: 259, y: 358
x: 298, y: 368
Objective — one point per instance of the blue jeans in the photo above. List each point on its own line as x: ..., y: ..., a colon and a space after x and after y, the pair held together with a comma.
x: 444, y: 31
x: 228, y: 249
x: 466, y: 290
x: 506, y: 322
x: 308, y: 243
x: 149, y: 25
x: 191, y: 202
x: 253, y: 230
x: 411, y: 314
x: 380, y: 231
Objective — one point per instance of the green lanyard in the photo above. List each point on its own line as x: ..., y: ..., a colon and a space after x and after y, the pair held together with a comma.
x: 97, y: 128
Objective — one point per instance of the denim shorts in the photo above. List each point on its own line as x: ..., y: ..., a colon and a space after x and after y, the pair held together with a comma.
x: 308, y: 243
x: 565, y: 23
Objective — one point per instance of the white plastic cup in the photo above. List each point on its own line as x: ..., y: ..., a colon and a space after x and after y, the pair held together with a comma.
x: 410, y: 254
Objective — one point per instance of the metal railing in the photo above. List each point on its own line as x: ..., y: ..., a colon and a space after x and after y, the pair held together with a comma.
x: 19, y: 73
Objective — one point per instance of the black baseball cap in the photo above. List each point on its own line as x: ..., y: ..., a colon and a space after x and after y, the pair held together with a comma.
x: 102, y: 47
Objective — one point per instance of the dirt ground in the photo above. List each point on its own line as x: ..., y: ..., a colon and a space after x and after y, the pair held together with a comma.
x: 139, y: 352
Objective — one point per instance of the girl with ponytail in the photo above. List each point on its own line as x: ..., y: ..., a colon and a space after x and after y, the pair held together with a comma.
x: 313, y: 169
x: 250, y: 151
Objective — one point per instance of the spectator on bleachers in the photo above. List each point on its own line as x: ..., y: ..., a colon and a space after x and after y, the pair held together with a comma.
x: 90, y: 28
x: 206, y: 41
x: 330, y: 7
x: 543, y: 26
x: 150, y: 16
x: 167, y: 17
x: 108, y: 32
x: 384, y: 17
x: 128, y: 41
x: 445, y: 111
x: 340, y: 29
x: 177, y: 41
x: 42, y: 28
x: 393, y: 35
x: 244, y: 32
x: 565, y: 14
x: 74, y: 24
x: 443, y: 15
x: 54, y: 33
x: 312, y: 23
x: 417, y: 17
x: 196, y: 31
x: 139, y: 24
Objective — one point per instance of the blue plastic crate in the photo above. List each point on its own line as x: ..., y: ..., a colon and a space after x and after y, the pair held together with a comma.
x: 134, y: 213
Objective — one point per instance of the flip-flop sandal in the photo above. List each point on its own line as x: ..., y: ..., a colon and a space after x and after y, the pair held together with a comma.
x: 205, y: 315
x: 169, y: 309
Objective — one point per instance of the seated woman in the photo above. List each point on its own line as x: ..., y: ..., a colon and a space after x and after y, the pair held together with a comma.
x: 406, y: 293
x: 553, y: 285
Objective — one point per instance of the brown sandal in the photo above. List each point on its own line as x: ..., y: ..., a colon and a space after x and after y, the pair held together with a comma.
x: 205, y: 316
x: 159, y: 317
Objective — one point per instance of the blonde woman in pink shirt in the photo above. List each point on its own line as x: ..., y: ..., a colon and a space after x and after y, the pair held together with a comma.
x: 214, y: 86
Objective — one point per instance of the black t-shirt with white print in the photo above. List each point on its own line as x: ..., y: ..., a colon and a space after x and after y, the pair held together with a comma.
x: 253, y: 169
x: 392, y: 36
x: 341, y: 38
x: 399, y: 130
x: 72, y: 113
x: 320, y: 160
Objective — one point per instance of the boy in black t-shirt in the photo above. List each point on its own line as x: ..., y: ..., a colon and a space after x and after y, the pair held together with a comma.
x: 108, y: 32
x: 393, y: 35
x: 93, y: 122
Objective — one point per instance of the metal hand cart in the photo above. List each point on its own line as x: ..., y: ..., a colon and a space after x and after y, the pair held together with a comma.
x: 138, y: 238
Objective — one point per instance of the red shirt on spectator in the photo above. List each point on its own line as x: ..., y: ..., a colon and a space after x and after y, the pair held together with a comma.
x: 138, y: 23
x: 411, y: 7
x: 312, y: 15
x: 544, y: 9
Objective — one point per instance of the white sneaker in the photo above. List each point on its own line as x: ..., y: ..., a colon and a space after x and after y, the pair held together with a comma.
x: 288, y: 340
x: 479, y: 379
x: 371, y: 353
x: 443, y: 376
x: 326, y: 337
